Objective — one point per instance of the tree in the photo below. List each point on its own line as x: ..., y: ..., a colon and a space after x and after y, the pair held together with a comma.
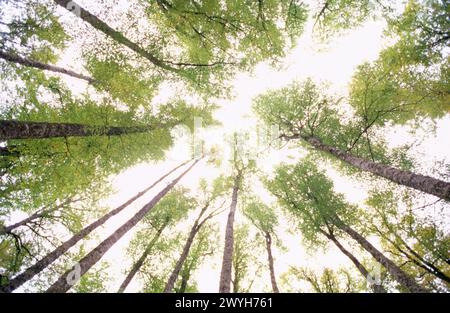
x: 245, y: 260
x: 416, y: 242
x: 307, y: 193
x: 331, y: 281
x: 36, y: 64
x: 52, y: 256
x: 240, y: 167
x: 265, y: 220
x: 62, y: 284
x: 170, y: 210
x: 209, y: 195
x: 303, y: 113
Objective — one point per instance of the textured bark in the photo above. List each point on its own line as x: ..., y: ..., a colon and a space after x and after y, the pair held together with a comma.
x: 359, y: 266
x: 12, y: 129
x: 112, y: 33
x: 62, y: 284
x: 184, y: 254
x: 31, y: 63
x: 401, y: 277
x: 227, y: 260
x: 136, y: 266
x: 34, y: 216
x: 52, y: 256
x: 273, y: 280
x: 423, y: 183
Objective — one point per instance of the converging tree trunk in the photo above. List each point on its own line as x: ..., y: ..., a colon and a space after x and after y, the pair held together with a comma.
x: 100, y: 25
x: 12, y: 129
x: 184, y: 254
x: 63, y: 284
x: 52, y: 256
x: 401, y: 277
x: 136, y: 267
x: 273, y: 280
x: 376, y: 288
x: 31, y: 63
x: 227, y: 261
x: 423, y: 183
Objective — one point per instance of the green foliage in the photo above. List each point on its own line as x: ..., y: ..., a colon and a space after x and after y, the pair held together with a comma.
x: 261, y: 216
x: 329, y: 281
x: 306, y: 193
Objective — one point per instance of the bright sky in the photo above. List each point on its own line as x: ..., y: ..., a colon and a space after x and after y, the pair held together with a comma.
x: 334, y: 65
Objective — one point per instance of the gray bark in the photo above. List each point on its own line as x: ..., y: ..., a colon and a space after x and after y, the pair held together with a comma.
x: 31, y: 63
x: 273, y: 280
x: 423, y: 183
x: 136, y: 266
x: 12, y: 129
x: 359, y: 266
x: 401, y: 277
x: 98, y: 24
x: 52, y: 256
x: 227, y: 260
x: 63, y: 285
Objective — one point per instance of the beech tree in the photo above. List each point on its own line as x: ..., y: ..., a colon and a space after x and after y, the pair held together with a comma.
x: 308, y: 194
x: 303, y: 113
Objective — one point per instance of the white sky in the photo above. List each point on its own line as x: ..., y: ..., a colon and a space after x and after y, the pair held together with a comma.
x: 336, y: 66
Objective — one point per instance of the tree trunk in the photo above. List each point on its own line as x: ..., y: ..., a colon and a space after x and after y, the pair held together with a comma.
x: 227, y: 261
x: 98, y: 24
x: 271, y: 267
x: 52, y: 256
x: 31, y: 63
x: 62, y: 284
x: 184, y: 254
x: 423, y: 183
x: 12, y: 129
x: 34, y: 216
x: 184, y: 280
x: 401, y: 277
x: 376, y: 288
x: 140, y: 262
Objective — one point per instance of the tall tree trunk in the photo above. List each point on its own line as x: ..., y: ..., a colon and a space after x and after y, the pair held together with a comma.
x: 185, y: 275
x: 423, y: 183
x: 98, y: 24
x: 62, y: 284
x: 227, y: 261
x: 141, y: 261
x: 376, y: 288
x: 12, y: 129
x: 31, y: 63
x: 273, y: 281
x: 184, y: 254
x: 35, y: 216
x: 52, y: 256
x: 401, y: 277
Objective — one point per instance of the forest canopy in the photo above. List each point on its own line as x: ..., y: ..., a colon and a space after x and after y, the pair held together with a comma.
x: 176, y: 146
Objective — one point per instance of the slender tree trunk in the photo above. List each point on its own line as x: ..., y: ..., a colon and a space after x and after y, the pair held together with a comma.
x: 184, y: 280
x: 63, y: 285
x: 376, y: 288
x: 100, y: 25
x: 401, y: 277
x: 34, y: 216
x: 140, y: 262
x: 31, y: 63
x: 184, y: 254
x: 270, y: 259
x: 12, y: 129
x: 227, y: 261
x: 423, y: 183
x: 52, y: 256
